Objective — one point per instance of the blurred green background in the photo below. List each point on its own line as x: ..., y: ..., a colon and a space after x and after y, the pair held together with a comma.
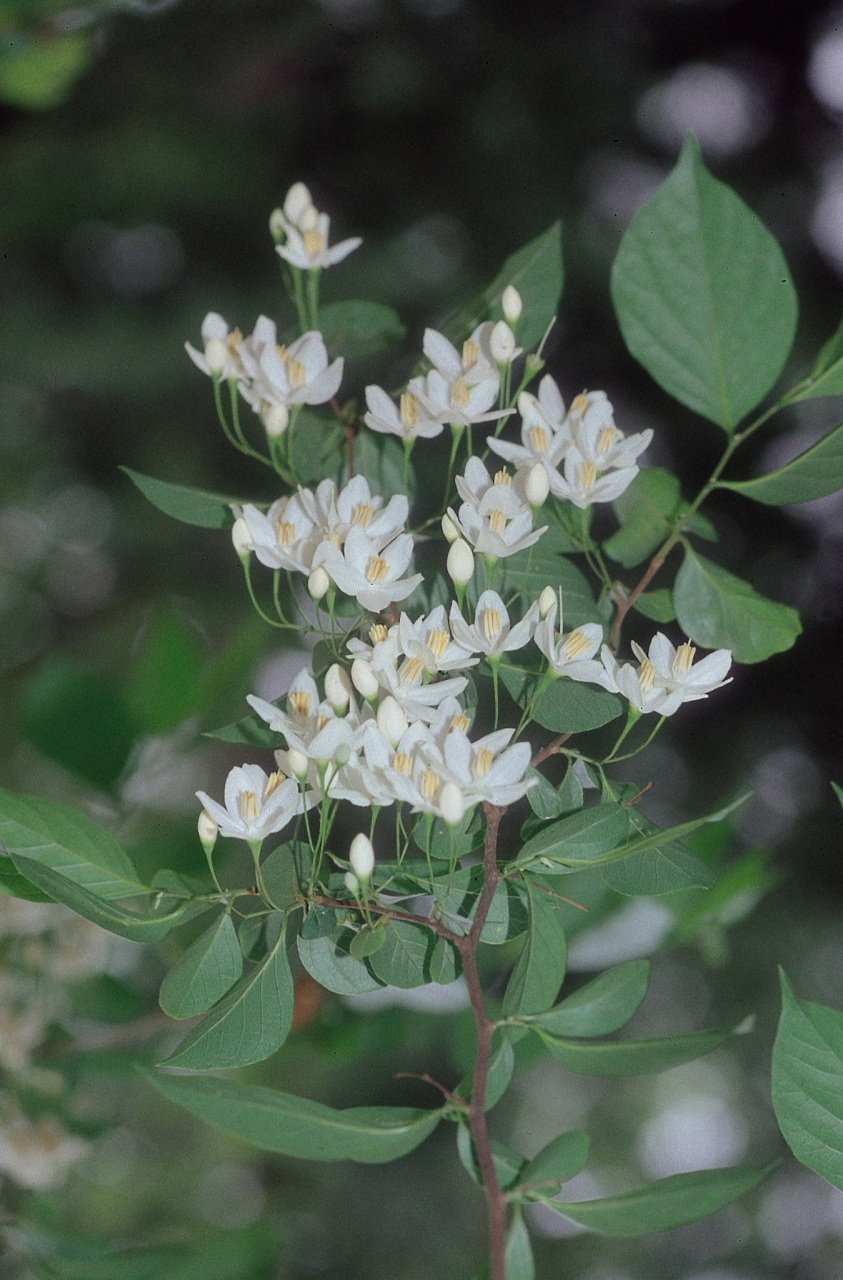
x: 142, y: 148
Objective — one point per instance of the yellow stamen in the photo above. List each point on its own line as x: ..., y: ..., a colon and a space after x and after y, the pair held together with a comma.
x: 460, y: 394
x: 286, y: 532
x: 409, y: 410
x: 482, y: 762
x: 300, y: 704
x: 412, y: 671
x: 297, y: 373
x: 282, y: 351
x: 606, y: 439
x: 321, y: 721
x: 576, y: 644
x: 402, y: 763
x: 233, y: 341
x: 437, y: 642
x: 378, y: 633
x: 503, y: 477
x: 538, y: 439
x: 579, y: 404
x: 328, y: 535
x: 460, y: 722
x: 646, y: 676
x: 684, y: 659
x: 274, y: 782
x: 497, y: 521
x: 378, y: 570
x: 492, y: 624
x: 588, y: 475
x: 429, y: 784
x: 362, y: 515
x: 249, y: 809
x: 314, y: 243
x: 470, y: 353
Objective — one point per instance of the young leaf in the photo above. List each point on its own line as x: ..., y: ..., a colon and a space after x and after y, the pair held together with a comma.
x: 576, y: 841
x: 670, y: 1202
x: 631, y: 1057
x: 249, y: 1024
x: 566, y: 706
x: 108, y: 915
x: 191, y: 506
x: 720, y: 611
x: 814, y: 474
x: 601, y: 1006
x: 645, y: 510
x: 402, y: 961
x: 540, y: 969
x: 519, y: 1252
x: 827, y: 375
x: 703, y: 294
x: 501, y: 1070
x: 808, y: 1083
x: 508, y: 1164
x: 207, y: 970
x: 561, y: 1159
x: 295, y: 1126
x: 332, y: 966
x: 359, y: 328
x: 66, y: 840
x: 251, y: 731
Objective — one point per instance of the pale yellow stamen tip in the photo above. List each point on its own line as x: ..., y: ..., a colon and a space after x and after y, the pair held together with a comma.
x: 429, y: 784
x: 378, y: 570
x: 497, y: 521
x: 412, y: 671
x: 460, y: 722
x: 286, y: 532
x: 328, y: 535
x: 409, y: 410
x: 321, y: 721
x: 482, y: 762
x: 296, y: 373
x: 646, y: 676
x: 249, y: 806
x: 274, y: 782
x: 470, y: 353
x: 300, y: 704
x: 588, y: 475
x: 606, y: 439
x: 503, y: 477
x: 233, y: 341
x: 538, y: 439
x: 460, y: 394
x: 492, y: 624
x: 576, y: 644
x: 314, y: 243
x: 579, y: 404
x: 437, y: 642
x: 363, y: 515
x: 402, y: 763
x: 684, y: 659
x: 378, y: 633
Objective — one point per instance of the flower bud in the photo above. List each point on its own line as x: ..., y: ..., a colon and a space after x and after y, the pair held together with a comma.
x: 296, y: 202
x: 276, y: 225
x: 351, y: 882
x: 361, y: 855
x: 318, y: 583
x: 392, y: 721
x: 511, y: 304
x: 309, y: 219
x: 241, y: 538
x: 342, y: 755
x: 297, y: 763
x: 502, y: 343
x: 364, y: 679
x: 537, y: 485
x: 461, y: 562
x: 216, y: 354
x: 208, y: 830
x: 534, y: 363
x: 526, y: 401
x: 337, y: 688
x: 276, y: 419
x: 452, y: 804
x: 449, y: 529
x: 547, y: 601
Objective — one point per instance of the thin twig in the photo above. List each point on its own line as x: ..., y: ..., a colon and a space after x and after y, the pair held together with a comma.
x: 551, y: 749
x: 446, y: 1093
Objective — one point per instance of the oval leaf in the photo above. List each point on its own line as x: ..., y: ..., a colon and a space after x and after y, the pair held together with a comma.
x: 561, y: 1159
x: 207, y: 970
x: 333, y: 968
x: 295, y: 1126
x: 703, y: 295
x: 814, y: 474
x: 191, y: 506
x: 519, y: 1252
x: 108, y: 915
x: 601, y: 1006
x: 540, y: 969
x: 631, y: 1057
x: 359, y: 328
x: 566, y: 706
x: 576, y: 841
x: 402, y: 959
x: 720, y: 611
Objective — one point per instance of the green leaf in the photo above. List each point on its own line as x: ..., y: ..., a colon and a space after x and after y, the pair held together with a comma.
x: 536, y: 271
x: 191, y: 506
x: 165, y: 680
x: 519, y: 1252
x: 499, y: 1078
x: 359, y: 328
x: 545, y: 565
x: 670, y: 1202
x: 403, y: 959
x: 14, y: 885
x: 445, y: 963
x: 720, y: 611
x: 207, y: 970
x: 631, y: 1057
x: 251, y: 731
x: 366, y: 942
x: 827, y: 375
x: 561, y: 1159
x: 656, y: 605
x: 838, y: 791
x: 293, y: 1126
x: 282, y: 872
x: 66, y: 840
x: 601, y: 1006
x: 507, y: 916
x: 703, y: 295
x: 576, y: 841
x: 544, y: 799
x: 540, y: 969
x: 655, y: 862
x: 808, y: 1083
x: 317, y: 447
x: 37, y: 75
x: 566, y: 706
x: 508, y: 1164
x: 646, y: 510
x: 380, y: 458
x: 108, y: 915
x: 332, y: 966
x: 249, y: 1024
x: 814, y: 474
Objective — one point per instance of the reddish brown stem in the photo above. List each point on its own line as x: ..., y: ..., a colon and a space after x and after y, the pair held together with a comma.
x: 625, y: 605
x: 550, y: 750
x: 429, y: 922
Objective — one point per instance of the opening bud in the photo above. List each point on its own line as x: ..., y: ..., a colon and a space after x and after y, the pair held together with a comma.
x: 392, y: 721
x: 276, y: 419
x: 297, y: 763
x: 342, y: 755
x: 452, y: 804
x: 337, y: 688
x: 216, y: 354
x: 502, y: 343
x: 547, y: 601
x: 526, y: 401
x: 318, y: 583
x: 534, y: 363
x: 461, y: 562
x: 309, y: 220
x: 364, y: 679
x: 276, y: 226
x: 208, y: 830
x: 361, y: 855
x: 296, y: 202
x: 537, y: 485
x: 241, y: 538
x: 449, y: 529
x: 511, y: 304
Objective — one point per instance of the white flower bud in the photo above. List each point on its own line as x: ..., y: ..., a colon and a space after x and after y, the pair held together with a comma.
x: 337, y: 688
x: 318, y: 583
x: 216, y: 354
x: 208, y: 830
x: 351, y: 881
x: 309, y: 219
x: 276, y: 225
x: 364, y: 679
x: 547, y: 600
x: 361, y: 855
x: 461, y: 562
x: 241, y: 538
x: 502, y: 343
x: 392, y: 721
x: 296, y: 202
x: 276, y: 419
x: 342, y: 755
x: 452, y: 804
x: 449, y: 529
x: 511, y: 304
x: 526, y: 401
x: 537, y: 485
x: 297, y: 763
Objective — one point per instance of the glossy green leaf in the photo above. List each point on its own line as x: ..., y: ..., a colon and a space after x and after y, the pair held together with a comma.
x: 519, y: 1252
x: 808, y: 1083
x: 293, y: 1126
x: 508, y: 1164
x: 703, y: 294
x: 191, y: 506
x: 332, y: 966
x: 576, y: 841
x: 561, y: 1159
x: 108, y: 915
x: 814, y: 474
x: 566, y: 706
x: 544, y: 799
x: 403, y: 959
x: 14, y: 885
x: 65, y: 839
x: 720, y: 611
x: 540, y: 969
x: 545, y: 564
x: 249, y: 1024
x: 359, y: 328
x: 827, y: 375
x: 631, y: 1057
x: 205, y: 973
x: 670, y: 1202
x: 645, y: 510
x: 656, y: 605
x: 601, y: 1006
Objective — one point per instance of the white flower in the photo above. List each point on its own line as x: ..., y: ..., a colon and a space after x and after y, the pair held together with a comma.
x: 409, y: 420
x: 484, y: 771
x: 491, y: 633
x: 405, y: 682
x: 334, y: 513
x: 308, y: 233
x: 494, y: 517
x: 282, y: 538
x: 303, y: 708
x: 583, y: 484
x: 361, y: 855
x: 572, y: 655
x: 461, y: 389
x: 429, y: 640
x: 256, y: 804
x: 667, y: 677
x: 368, y: 571
x: 279, y: 375
x: 297, y: 204
x: 502, y: 344
x: 544, y: 436
x: 597, y: 438
x: 221, y: 348
x: 38, y: 1153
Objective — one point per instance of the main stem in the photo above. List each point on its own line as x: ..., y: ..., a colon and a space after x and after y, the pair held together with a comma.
x: 485, y: 1031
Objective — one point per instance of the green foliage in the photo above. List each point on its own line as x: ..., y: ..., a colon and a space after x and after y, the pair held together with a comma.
x: 576, y: 841
x: 404, y: 959
x: 546, y: 564
x: 108, y: 915
x: 519, y: 1252
x: 601, y: 1006
x: 207, y: 970
x: 566, y: 706
x: 703, y: 295
x: 190, y: 506
x: 508, y: 1164
x: 359, y: 328
x: 165, y: 682
x: 814, y: 474
x: 38, y: 75
x: 330, y: 964
x: 646, y: 510
x: 14, y: 885
x: 630, y: 1057
x: 827, y: 374
x: 563, y: 1158
x: 719, y: 610
x: 656, y: 605
x: 293, y: 1126
x: 540, y: 969
x: 808, y: 1083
